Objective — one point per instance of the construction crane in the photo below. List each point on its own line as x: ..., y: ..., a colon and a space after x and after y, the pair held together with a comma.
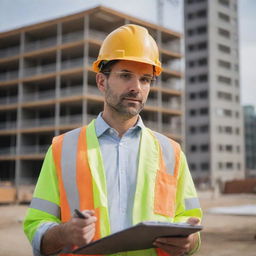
x: 160, y: 9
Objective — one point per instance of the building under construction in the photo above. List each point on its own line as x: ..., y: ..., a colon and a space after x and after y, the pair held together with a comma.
x: 47, y: 87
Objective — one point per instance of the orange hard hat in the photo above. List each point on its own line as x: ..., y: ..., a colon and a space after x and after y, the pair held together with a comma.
x: 129, y: 42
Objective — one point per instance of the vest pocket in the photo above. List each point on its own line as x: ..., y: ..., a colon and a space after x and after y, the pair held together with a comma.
x: 165, y: 194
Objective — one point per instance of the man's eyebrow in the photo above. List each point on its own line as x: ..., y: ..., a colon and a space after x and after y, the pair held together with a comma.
x: 128, y: 71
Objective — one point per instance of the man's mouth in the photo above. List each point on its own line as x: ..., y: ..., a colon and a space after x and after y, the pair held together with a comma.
x: 132, y: 99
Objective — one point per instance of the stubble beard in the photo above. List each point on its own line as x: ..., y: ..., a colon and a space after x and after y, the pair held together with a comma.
x: 118, y: 104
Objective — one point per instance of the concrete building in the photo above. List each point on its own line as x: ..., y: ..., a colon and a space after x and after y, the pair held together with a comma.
x: 214, y: 126
x: 47, y: 86
x: 250, y: 140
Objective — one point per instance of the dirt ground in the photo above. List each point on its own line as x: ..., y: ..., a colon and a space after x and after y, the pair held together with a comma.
x: 223, y: 235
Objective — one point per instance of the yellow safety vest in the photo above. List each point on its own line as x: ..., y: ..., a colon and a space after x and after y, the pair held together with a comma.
x: 82, y: 181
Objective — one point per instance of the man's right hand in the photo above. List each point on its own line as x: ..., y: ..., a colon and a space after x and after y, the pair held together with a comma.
x: 79, y: 231
x: 75, y: 232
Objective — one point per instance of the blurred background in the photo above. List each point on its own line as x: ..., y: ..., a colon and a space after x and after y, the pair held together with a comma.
x: 204, y: 99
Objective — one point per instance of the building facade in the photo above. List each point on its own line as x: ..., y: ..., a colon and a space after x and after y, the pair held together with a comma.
x: 214, y: 121
x: 250, y: 140
x: 47, y: 86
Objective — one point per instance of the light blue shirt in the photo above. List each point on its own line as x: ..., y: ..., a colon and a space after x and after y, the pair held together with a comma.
x: 120, y: 159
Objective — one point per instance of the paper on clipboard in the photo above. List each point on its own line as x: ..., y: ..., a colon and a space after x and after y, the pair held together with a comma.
x: 138, y: 237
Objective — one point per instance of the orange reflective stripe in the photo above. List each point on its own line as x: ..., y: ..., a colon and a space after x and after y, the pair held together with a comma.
x: 84, y: 177
x: 166, y: 185
x: 57, y: 151
x: 84, y: 180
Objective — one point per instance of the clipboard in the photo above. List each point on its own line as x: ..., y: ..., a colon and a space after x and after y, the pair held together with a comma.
x: 138, y: 237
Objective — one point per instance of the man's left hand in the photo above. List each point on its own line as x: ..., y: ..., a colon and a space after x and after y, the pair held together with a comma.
x: 177, y: 246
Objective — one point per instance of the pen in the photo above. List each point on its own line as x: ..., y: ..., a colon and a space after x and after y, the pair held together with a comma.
x: 80, y: 214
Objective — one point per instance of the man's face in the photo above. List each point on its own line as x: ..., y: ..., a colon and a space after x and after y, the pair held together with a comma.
x: 127, y: 87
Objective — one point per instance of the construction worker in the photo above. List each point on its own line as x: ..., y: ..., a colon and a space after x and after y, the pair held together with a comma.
x: 115, y: 170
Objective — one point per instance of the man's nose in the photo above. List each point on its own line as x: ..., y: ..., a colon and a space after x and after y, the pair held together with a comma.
x: 135, y: 85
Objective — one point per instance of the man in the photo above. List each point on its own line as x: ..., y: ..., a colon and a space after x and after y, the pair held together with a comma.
x: 115, y: 170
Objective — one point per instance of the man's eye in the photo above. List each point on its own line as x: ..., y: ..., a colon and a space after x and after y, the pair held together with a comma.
x: 146, y: 79
x: 125, y: 75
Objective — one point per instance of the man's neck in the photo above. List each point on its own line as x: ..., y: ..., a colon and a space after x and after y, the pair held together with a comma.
x: 119, y: 122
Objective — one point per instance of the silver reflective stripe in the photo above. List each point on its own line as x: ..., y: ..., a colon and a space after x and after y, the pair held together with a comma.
x: 192, y: 203
x: 45, y: 206
x: 168, y: 152
x: 68, y: 166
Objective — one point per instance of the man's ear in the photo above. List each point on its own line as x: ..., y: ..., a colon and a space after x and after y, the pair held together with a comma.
x: 101, y: 81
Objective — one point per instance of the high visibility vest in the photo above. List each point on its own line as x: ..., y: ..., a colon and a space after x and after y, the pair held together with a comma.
x: 82, y: 181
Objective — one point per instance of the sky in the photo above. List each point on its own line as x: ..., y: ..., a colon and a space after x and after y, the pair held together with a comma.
x: 18, y: 13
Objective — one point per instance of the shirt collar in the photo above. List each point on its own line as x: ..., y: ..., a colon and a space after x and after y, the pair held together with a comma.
x: 101, y: 126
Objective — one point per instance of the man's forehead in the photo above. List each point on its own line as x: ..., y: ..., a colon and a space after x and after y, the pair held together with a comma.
x: 133, y: 66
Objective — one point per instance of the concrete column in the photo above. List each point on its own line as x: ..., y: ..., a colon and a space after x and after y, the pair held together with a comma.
x: 159, y: 84
x: 58, y: 78
x: 18, y: 169
x: 85, y: 70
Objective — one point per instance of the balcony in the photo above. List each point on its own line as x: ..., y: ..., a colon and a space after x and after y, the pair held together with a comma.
x: 33, y: 149
x: 9, y: 75
x: 172, y: 46
x: 8, y: 100
x: 37, y: 122
x: 173, y: 129
x: 40, y: 70
x: 171, y: 105
x: 9, y: 52
x: 72, y: 63
x: 40, y: 44
x: 39, y: 96
x: 173, y: 65
x: 71, y: 119
x: 93, y: 89
x: 98, y: 35
x: 8, y: 125
x: 6, y: 151
x: 172, y: 85
x: 72, y: 37
x: 152, y: 102
x: 151, y: 124
x: 71, y: 91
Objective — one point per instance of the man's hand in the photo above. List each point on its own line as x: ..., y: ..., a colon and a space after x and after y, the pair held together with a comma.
x: 177, y: 246
x: 79, y: 231
x: 75, y: 232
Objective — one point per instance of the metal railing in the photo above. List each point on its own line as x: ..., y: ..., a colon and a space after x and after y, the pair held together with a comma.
x: 37, y: 122
x: 151, y: 102
x: 171, y: 105
x: 8, y: 100
x: 9, y: 75
x: 39, y: 44
x: 71, y: 119
x: 71, y: 37
x: 8, y: 125
x: 169, y: 128
x: 94, y: 90
x: 71, y: 91
x: 39, y: 70
x: 72, y: 63
x: 173, y: 66
x: 7, y: 151
x: 172, y: 85
x: 172, y: 46
x: 94, y: 34
x: 10, y: 51
x: 151, y: 124
x: 33, y: 149
x: 37, y: 96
